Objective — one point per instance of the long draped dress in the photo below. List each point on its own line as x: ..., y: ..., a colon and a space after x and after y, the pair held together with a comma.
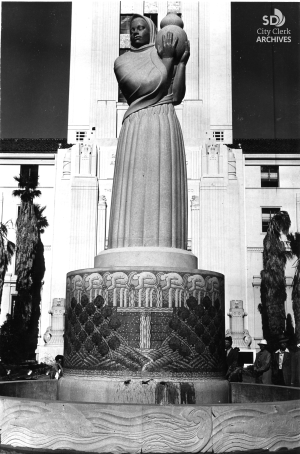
x: 149, y: 197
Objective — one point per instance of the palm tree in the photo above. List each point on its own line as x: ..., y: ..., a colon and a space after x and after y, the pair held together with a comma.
x: 20, y: 331
x: 295, y: 248
x: 7, y: 249
x: 26, y: 243
x: 37, y: 275
x: 273, y: 292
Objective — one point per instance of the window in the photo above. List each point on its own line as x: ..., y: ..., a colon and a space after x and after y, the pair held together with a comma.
x: 269, y: 176
x: 218, y: 135
x: 30, y: 172
x: 266, y: 216
x: 81, y: 135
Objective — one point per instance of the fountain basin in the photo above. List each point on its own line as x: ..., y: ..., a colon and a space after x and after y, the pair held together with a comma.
x: 244, y: 424
x: 142, y: 391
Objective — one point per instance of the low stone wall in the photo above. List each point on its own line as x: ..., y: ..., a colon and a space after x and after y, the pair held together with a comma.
x: 39, y: 389
x: 250, y: 393
x: 119, y: 428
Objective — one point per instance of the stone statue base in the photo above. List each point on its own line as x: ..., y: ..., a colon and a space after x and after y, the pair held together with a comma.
x: 145, y: 322
x: 152, y: 256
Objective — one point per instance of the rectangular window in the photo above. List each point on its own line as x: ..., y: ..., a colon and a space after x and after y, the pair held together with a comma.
x: 81, y: 135
x: 269, y: 176
x: 266, y: 216
x: 30, y: 172
x: 218, y: 135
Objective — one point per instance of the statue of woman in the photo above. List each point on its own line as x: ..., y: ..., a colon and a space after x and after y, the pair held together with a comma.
x: 149, y: 198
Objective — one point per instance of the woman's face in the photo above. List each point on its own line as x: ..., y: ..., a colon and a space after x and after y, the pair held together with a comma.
x: 139, y: 33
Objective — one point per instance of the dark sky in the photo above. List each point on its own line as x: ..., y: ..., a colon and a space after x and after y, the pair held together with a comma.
x: 35, y: 57
x: 266, y: 76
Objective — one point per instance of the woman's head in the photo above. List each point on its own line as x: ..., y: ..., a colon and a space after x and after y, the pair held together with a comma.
x: 142, y: 31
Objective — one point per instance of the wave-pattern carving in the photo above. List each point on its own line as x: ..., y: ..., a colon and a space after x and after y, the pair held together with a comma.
x: 106, y: 428
x: 269, y: 427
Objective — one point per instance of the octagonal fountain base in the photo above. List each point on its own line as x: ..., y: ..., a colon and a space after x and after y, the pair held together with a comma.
x: 258, y: 417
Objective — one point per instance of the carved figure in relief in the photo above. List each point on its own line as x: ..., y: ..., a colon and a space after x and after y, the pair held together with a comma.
x: 212, y: 284
x: 116, y: 280
x: 93, y: 280
x: 77, y: 283
x: 149, y: 198
x: 145, y: 280
x: 173, y: 280
x: 196, y: 282
x: 47, y: 335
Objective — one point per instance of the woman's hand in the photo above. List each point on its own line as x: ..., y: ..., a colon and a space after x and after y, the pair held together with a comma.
x: 168, y: 48
x: 186, y: 54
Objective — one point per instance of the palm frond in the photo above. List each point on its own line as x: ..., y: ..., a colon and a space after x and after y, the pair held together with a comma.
x: 294, y: 240
x: 281, y: 222
x: 42, y: 221
x: 10, y: 249
x: 3, y: 230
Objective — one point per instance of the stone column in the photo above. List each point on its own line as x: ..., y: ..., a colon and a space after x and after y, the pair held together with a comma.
x: 257, y: 333
x: 195, y: 224
x: 231, y: 165
x: 298, y: 211
x: 101, y: 224
x: 54, y: 335
x: 84, y: 207
x: 67, y: 165
x: 212, y: 210
x: 83, y: 222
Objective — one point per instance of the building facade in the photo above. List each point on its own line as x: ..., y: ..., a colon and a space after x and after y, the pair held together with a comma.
x: 232, y: 193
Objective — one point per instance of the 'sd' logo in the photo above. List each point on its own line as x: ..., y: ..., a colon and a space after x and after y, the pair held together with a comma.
x: 276, y: 19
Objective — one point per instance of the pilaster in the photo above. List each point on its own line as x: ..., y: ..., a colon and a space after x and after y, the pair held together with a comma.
x: 103, y: 86
x: 298, y: 211
x: 80, y: 68
x: 195, y: 225
x: 54, y: 335
x: 61, y: 225
x: 101, y: 224
x: 84, y: 199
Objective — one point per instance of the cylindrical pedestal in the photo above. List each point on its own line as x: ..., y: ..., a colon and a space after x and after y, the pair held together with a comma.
x: 145, y: 322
